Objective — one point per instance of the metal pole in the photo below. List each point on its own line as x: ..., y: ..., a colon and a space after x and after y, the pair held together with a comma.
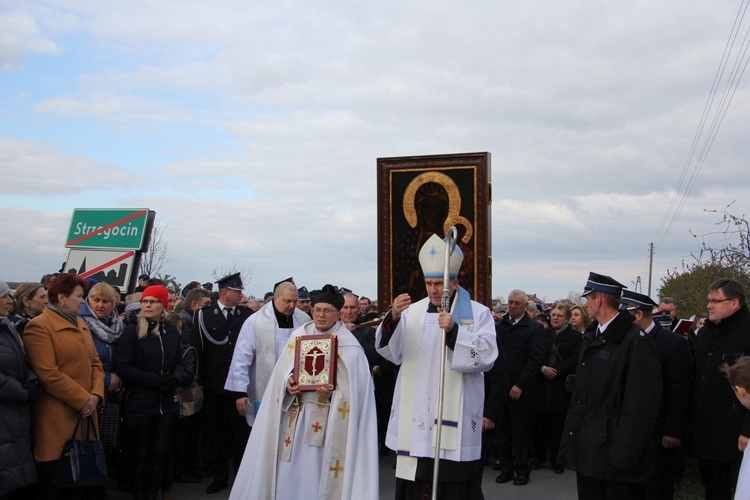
x: 650, y: 265
x: 450, y: 245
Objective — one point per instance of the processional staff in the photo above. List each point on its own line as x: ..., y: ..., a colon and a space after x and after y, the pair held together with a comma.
x: 450, y: 246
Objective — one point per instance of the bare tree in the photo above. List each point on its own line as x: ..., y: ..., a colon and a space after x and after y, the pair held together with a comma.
x: 734, y: 249
x: 574, y: 298
x: 157, y: 254
x: 724, y: 253
x: 222, y: 271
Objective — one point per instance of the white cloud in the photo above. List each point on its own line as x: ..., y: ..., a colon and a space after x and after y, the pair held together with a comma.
x: 41, y: 170
x: 21, y: 36
x: 253, y: 130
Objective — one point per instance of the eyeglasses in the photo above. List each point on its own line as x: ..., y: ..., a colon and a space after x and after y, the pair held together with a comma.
x: 557, y: 315
x: 716, y: 301
x: 150, y: 302
x: 326, y: 310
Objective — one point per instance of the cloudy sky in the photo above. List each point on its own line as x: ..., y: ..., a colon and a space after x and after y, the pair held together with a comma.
x: 253, y: 129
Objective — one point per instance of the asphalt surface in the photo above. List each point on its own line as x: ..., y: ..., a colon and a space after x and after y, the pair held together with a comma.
x: 544, y: 483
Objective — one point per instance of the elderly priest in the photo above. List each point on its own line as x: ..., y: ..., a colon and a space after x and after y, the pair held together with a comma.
x: 320, y: 443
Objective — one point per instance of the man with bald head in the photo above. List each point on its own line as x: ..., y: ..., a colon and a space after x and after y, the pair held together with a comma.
x: 259, y: 345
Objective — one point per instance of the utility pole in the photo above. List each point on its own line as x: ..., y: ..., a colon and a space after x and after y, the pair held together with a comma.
x: 650, y: 265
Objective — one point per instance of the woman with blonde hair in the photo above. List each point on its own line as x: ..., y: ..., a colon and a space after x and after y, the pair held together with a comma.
x: 62, y: 353
x: 31, y: 299
x: 106, y: 327
x: 579, y: 318
x: 150, y: 363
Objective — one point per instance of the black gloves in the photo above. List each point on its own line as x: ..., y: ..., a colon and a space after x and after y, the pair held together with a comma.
x: 32, y: 387
x: 167, y: 383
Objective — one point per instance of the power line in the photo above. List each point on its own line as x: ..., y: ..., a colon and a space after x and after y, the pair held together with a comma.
x: 684, y: 187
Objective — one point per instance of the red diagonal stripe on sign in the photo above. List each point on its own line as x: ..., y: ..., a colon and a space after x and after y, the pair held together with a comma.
x: 112, y: 262
x: 109, y: 226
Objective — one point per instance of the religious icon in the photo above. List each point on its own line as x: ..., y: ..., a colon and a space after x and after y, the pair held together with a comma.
x: 315, y: 361
x: 426, y: 195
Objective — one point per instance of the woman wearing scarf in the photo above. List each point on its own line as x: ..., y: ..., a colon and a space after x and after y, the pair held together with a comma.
x: 61, y: 352
x: 31, y: 299
x: 100, y: 315
x: 150, y: 363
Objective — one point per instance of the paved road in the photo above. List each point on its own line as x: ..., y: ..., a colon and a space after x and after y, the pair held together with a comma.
x: 544, y: 484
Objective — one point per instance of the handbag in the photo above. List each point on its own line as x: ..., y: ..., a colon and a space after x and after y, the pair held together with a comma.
x: 109, y: 425
x: 82, y: 462
x: 190, y: 396
x: 191, y: 399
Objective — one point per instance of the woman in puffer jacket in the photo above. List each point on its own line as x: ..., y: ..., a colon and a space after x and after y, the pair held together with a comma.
x: 149, y: 361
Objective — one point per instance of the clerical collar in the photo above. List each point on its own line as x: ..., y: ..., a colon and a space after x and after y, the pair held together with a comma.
x: 284, y: 321
x: 432, y: 308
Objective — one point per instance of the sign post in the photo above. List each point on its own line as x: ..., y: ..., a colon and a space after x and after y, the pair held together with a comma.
x: 106, y: 244
x: 110, y: 229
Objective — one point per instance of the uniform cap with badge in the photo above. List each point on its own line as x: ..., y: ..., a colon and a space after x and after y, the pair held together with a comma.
x: 633, y: 300
x: 233, y: 282
x: 602, y: 283
x: 303, y: 294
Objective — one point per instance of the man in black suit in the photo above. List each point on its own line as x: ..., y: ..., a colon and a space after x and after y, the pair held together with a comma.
x: 522, y: 339
x: 720, y: 424
x: 551, y: 398
x: 215, y: 332
x: 676, y: 376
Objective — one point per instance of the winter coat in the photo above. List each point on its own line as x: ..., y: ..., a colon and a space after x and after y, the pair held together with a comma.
x: 215, y: 353
x: 65, y: 359
x: 20, y: 320
x: 608, y: 432
x: 561, y: 353
x: 106, y: 350
x: 523, y: 345
x: 676, y: 376
x: 146, y: 365
x: 718, y: 418
x: 496, y: 386
x: 17, y: 467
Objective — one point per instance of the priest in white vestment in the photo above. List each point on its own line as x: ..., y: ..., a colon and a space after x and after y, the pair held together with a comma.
x: 320, y: 444
x: 261, y: 341
x: 410, y: 336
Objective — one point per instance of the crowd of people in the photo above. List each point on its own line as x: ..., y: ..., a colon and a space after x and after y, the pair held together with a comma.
x: 605, y: 389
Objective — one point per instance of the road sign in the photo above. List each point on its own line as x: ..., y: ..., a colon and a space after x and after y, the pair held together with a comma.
x: 112, y: 267
x: 110, y: 229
